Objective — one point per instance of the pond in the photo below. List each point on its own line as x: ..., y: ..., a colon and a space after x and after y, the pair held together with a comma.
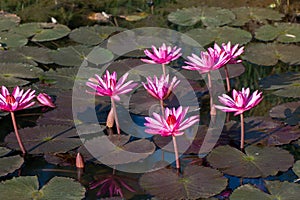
x: 149, y: 99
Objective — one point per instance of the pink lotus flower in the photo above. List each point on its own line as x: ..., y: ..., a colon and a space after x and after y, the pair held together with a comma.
x: 232, y: 51
x: 208, y: 61
x: 171, y: 124
x: 45, y: 100
x: 160, y: 88
x: 241, y: 101
x: 108, y: 85
x: 163, y: 55
x: 112, y: 185
x: 18, y: 100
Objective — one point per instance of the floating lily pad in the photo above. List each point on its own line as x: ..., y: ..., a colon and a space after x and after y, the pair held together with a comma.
x: 296, y: 168
x: 14, y: 74
x: 71, y: 56
x: 9, y: 164
x: 246, y: 14
x: 234, y: 70
x: 135, y: 17
x: 7, y: 23
x: 27, y: 187
x: 286, y: 85
x: 255, y: 162
x: 209, y: 16
x: 289, y: 112
x: 113, y: 149
x: 196, y: 182
x: 220, y: 35
x: 263, y: 131
x: 93, y: 35
x: 269, y: 54
x: 278, y: 190
x: 28, y: 54
x: 45, y: 139
x: 187, y: 143
x: 27, y: 29
x: 12, y: 39
x: 51, y: 32
x: 282, y: 32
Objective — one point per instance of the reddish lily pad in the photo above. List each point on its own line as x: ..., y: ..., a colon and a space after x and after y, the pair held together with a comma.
x: 27, y: 187
x: 255, y: 162
x: 289, y: 112
x: 277, y: 190
x: 286, y: 85
x: 196, y: 182
x: 10, y: 163
x: 45, y: 139
x: 261, y: 130
x: 209, y: 16
x: 110, y: 150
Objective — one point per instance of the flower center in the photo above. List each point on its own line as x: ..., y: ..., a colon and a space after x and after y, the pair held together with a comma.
x: 171, y: 120
x: 10, y: 99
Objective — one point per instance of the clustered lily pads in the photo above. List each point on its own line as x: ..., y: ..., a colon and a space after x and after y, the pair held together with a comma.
x: 45, y: 58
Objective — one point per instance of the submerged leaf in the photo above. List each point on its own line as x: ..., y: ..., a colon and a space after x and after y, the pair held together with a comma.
x: 196, y: 182
x: 289, y: 112
x: 255, y: 162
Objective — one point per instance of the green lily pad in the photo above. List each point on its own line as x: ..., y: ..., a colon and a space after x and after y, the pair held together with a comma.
x: 100, y: 56
x: 269, y: 54
x: 27, y: 29
x: 93, y: 35
x: 282, y: 32
x: 12, y: 39
x: 278, y: 190
x: 14, y: 74
x: 51, y: 32
x: 246, y: 14
x: 28, y: 54
x: 209, y: 16
x: 286, y: 85
x: 196, y: 182
x: 7, y: 23
x: 255, y: 162
x: 9, y: 164
x: 45, y: 139
x: 113, y: 149
x: 27, y: 187
x: 220, y: 35
x: 71, y: 56
x: 296, y: 168
x: 289, y: 112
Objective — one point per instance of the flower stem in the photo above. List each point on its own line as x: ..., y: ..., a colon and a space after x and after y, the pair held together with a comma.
x: 242, y: 131
x: 17, y: 133
x: 115, y: 114
x: 212, y: 106
x: 162, y: 107
x: 164, y: 69
x: 176, y: 152
x: 227, y: 78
